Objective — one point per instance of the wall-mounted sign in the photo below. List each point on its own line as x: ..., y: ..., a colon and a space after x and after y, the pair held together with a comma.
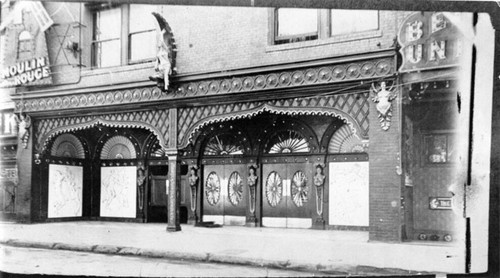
x: 9, y: 174
x: 26, y: 71
x: 440, y: 203
x: 27, y: 62
x: 429, y: 40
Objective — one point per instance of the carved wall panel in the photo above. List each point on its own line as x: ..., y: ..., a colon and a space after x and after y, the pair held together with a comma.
x: 156, y: 121
x: 352, y: 108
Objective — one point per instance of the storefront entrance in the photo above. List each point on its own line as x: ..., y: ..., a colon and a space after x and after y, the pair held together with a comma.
x: 225, y: 194
x: 286, y: 193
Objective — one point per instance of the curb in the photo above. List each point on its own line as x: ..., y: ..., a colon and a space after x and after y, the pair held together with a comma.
x: 331, y: 269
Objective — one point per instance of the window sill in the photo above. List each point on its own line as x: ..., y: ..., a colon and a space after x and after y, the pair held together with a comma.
x: 330, y: 40
x: 116, y: 69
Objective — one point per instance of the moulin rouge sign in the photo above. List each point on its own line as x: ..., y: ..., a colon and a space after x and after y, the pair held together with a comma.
x: 27, y: 71
x: 429, y: 40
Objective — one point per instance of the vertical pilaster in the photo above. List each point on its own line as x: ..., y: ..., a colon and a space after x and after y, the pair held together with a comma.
x: 174, y: 194
x: 23, y: 197
x: 174, y: 175
x: 385, y: 181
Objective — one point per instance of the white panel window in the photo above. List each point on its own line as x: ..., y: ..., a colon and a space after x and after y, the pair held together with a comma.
x: 142, y: 33
x: 106, y: 44
x: 293, y: 25
x: 65, y: 191
x: 352, y: 21
x: 118, y: 191
x: 348, y: 194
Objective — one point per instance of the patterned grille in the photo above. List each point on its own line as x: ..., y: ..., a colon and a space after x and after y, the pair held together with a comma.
x: 157, y: 121
x: 354, y: 105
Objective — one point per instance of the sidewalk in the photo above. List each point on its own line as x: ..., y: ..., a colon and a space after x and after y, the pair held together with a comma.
x: 340, y: 252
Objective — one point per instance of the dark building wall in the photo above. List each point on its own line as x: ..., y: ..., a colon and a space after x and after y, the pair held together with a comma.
x: 432, y: 180
x: 23, y: 192
x: 385, y: 183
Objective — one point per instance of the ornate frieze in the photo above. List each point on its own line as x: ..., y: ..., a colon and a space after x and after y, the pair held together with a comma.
x: 331, y: 74
x: 352, y: 108
x: 157, y: 121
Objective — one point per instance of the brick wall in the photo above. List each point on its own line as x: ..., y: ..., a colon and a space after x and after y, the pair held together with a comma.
x: 24, y: 187
x: 385, y: 183
x: 209, y: 39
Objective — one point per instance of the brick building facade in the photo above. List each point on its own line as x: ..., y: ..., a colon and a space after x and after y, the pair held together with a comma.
x: 243, y: 99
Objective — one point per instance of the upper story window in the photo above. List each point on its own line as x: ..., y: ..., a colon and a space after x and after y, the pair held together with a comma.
x: 352, y: 21
x: 106, y: 39
x: 25, y: 44
x: 8, y: 125
x: 123, y: 35
x: 142, y: 35
x: 295, y: 25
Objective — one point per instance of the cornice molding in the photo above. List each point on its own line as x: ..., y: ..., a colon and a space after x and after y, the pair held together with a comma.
x: 324, y: 72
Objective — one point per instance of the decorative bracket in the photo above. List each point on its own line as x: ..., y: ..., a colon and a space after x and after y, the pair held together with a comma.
x: 165, y: 55
x: 383, y: 98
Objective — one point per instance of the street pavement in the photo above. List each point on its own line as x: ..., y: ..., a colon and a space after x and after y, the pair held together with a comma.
x: 347, y: 252
x: 21, y: 260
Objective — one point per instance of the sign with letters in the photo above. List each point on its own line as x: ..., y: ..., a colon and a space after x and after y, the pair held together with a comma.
x: 440, y: 203
x: 26, y: 71
x: 429, y: 40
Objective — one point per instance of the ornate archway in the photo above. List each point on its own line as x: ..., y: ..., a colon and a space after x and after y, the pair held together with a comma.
x: 353, y: 109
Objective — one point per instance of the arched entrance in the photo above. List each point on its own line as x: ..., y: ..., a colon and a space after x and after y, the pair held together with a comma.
x: 280, y: 151
x: 224, y: 157
x: 287, y: 172
x: 103, y: 173
x: 67, y: 173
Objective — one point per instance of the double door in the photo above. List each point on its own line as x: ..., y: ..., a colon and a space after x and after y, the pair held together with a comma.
x: 286, y: 195
x: 225, y: 194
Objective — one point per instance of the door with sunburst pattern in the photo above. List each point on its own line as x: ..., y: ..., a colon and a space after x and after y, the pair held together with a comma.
x: 287, y: 177
x: 225, y: 197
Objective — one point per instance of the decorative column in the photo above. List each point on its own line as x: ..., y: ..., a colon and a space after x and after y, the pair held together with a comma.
x: 319, y: 183
x: 193, y: 185
x: 252, y: 196
x: 174, y: 194
x: 385, y: 182
x: 141, y: 180
x: 174, y: 175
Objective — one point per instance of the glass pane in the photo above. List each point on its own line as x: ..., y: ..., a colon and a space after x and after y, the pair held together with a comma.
x: 224, y: 144
x: 7, y: 119
x: 141, y: 18
x: 288, y: 141
x: 108, y: 24
x: 437, y: 148
x: 452, y: 151
x: 297, y: 21
x: 3, y: 126
x: 142, y: 46
x: 107, y: 53
x: 352, y: 21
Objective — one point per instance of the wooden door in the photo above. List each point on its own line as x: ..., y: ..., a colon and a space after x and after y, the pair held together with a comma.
x: 225, y: 198
x: 158, y: 199
x: 286, y: 190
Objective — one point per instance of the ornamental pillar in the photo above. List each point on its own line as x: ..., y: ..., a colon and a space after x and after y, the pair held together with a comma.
x: 174, y: 194
x: 174, y: 175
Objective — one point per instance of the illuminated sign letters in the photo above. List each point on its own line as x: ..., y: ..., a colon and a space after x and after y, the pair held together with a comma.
x: 428, y: 41
x: 27, y: 71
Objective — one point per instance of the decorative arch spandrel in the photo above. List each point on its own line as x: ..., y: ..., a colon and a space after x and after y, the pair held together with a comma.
x: 156, y: 121
x: 352, y: 108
